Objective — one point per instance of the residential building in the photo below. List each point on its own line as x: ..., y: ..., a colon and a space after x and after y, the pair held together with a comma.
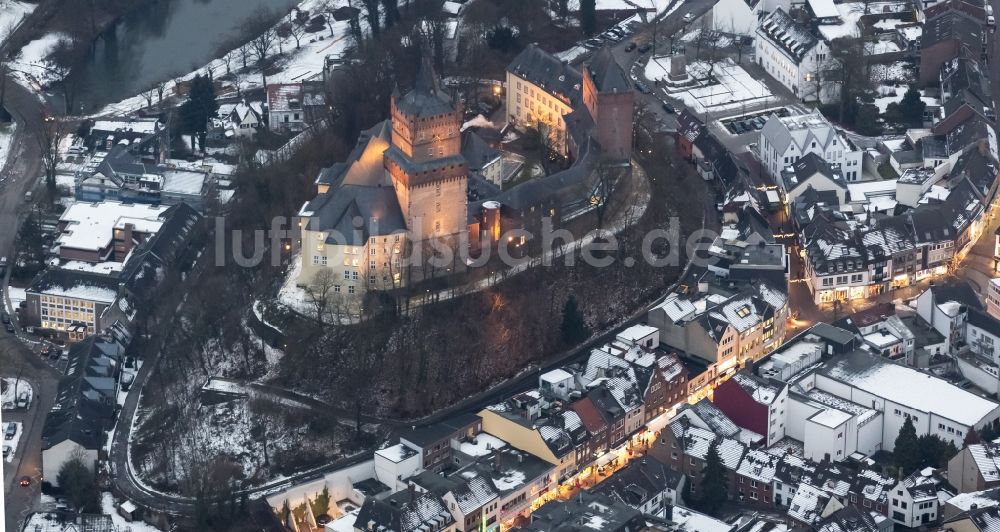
x: 812, y: 172
x: 948, y: 34
x: 727, y: 331
x: 683, y: 446
x: 794, y: 56
x: 785, y: 140
x: 291, y: 107
x: 434, y: 443
x: 105, y: 231
x: 975, y: 468
x: 913, y: 501
x: 646, y: 484
x: 405, y: 510
x: 85, y: 407
x: 975, y: 520
x: 993, y: 298
x: 589, y: 510
x: 755, y: 404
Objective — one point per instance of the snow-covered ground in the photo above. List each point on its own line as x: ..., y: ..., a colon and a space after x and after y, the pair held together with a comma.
x: 295, y: 64
x: 6, y: 141
x: 16, y: 295
x: 850, y: 14
x: 889, y: 95
x: 734, y: 87
x: 12, y: 389
x: 32, y: 63
x: 12, y: 443
x: 291, y: 295
x: 11, y: 13
x: 108, y: 507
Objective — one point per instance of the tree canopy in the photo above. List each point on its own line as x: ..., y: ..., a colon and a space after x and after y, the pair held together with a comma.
x: 574, y: 329
x: 714, y: 482
x: 199, y: 108
x: 78, y: 484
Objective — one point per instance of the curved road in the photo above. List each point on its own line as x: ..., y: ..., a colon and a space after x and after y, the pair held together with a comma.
x: 128, y: 486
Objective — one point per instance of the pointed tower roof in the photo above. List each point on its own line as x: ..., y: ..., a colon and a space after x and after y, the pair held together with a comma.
x: 426, y: 98
x: 606, y: 73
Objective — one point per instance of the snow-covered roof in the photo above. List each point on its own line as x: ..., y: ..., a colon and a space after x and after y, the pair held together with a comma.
x: 758, y: 464
x: 89, y: 226
x: 556, y: 376
x: 987, y: 458
x: 688, y: 520
x: 830, y: 418
x: 637, y: 332
x: 908, y: 387
x: 137, y: 125
x: 880, y: 339
x: 483, y: 444
x: 823, y: 8
x: 396, y: 453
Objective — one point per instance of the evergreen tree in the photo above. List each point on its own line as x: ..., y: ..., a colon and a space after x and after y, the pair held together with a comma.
x: 907, y: 452
x: 911, y: 108
x: 971, y: 437
x: 199, y: 108
x: 866, y: 120
x: 321, y: 505
x: 714, y: 482
x: 574, y: 329
x: 78, y: 484
x: 588, y: 16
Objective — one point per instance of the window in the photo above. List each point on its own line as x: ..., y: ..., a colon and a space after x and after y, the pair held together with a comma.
x: 350, y: 289
x: 336, y: 288
x: 347, y: 274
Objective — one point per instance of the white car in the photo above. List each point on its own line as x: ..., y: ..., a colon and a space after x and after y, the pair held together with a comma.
x: 688, y: 17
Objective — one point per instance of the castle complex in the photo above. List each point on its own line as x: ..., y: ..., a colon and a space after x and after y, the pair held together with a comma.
x: 407, y: 183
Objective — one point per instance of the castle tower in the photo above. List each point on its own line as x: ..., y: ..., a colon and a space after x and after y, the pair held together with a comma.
x: 428, y: 172
x: 608, y: 96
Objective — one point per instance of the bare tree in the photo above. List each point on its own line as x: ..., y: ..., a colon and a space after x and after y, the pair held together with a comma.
x: 320, y: 293
x: 295, y: 30
x: 263, y: 40
x: 50, y: 136
x: 607, y: 176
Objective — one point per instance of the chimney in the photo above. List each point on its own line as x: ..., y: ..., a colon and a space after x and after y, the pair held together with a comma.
x: 497, y: 460
x: 413, y: 493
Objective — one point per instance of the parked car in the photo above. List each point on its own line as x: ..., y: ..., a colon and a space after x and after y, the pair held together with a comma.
x: 645, y: 48
x: 688, y: 17
x: 629, y: 47
x: 642, y: 87
x: 6, y: 451
x: 668, y: 108
x: 10, y: 431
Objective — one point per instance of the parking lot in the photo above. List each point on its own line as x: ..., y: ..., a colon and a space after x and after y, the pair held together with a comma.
x: 752, y: 122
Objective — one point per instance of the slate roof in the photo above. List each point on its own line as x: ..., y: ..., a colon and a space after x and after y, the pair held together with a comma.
x: 85, y: 401
x: 359, y: 191
x: 404, y: 512
x: 848, y: 519
x: 985, y: 322
x: 606, y: 73
x: 476, y: 151
x: 426, y: 98
x: 548, y: 72
x: 808, y: 166
x: 639, y: 481
x: 792, y: 37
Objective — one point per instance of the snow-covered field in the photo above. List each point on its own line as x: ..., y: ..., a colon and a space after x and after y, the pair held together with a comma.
x: 11, y: 13
x: 13, y: 388
x: 108, y: 507
x: 32, y: 63
x: 735, y: 88
x: 12, y: 443
x: 889, y: 95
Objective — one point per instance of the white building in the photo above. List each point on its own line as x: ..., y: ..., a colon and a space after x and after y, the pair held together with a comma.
x: 792, y: 54
x: 785, y: 140
x: 395, y: 464
x: 934, y: 405
x: 914, y: 501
